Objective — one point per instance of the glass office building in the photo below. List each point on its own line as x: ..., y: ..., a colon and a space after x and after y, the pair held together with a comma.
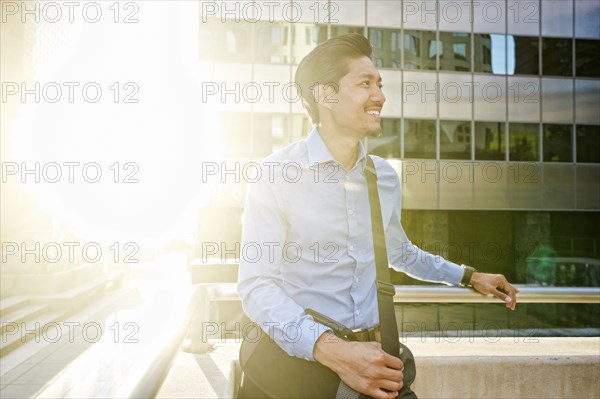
x: 492, y: 114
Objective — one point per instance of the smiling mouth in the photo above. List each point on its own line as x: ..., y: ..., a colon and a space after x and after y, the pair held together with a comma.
x: 373, y: 113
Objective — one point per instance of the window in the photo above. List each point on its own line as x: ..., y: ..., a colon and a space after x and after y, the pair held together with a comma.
x: 411, y: 43
x: 419, y: 138
x: 414, y: 54
x: 523, y: 58
x: 226, y: 42
x: 308, y: 36
x: 376, y: 38
x: 490, y: 53
x: 279, y: 35
x: 489, y: 141
x: 587, y: 58
x: 460, y: 57
x: 557, y: 57
x: 385, y: 46
x: 338, y: 30
x: 455, y: 140
x: 523, y: 141
x: 395, y: 41
x: 272, y: 43
x: 558, y: 143
x: 460, y: 51
x: 588, y: 143
x: 435, y: 47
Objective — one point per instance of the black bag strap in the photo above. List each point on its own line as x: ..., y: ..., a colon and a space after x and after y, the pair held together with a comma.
x: 390, y: 341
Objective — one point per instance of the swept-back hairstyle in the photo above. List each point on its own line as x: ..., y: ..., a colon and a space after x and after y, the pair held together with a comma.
x: 327, y: 64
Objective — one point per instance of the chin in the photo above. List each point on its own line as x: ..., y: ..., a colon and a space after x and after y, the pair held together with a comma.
x: 374, y: 132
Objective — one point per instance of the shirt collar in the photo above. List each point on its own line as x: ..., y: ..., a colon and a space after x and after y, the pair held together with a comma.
x: 319, y: 153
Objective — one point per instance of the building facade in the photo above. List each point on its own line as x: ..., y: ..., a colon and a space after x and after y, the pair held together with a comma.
x: 492, y: 114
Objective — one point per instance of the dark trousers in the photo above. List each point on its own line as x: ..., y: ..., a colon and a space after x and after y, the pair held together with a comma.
x: 269, y: 372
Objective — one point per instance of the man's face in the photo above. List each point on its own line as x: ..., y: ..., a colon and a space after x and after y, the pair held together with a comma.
x: 355, y: 108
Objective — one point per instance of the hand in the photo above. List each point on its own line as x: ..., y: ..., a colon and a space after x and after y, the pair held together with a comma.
x: 497, y: 285
x: 363, y: 366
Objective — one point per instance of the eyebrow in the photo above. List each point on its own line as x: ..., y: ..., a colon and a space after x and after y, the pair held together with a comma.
x: 370, y: 76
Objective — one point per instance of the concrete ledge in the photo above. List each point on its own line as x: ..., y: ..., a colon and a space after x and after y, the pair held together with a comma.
x: 471, y: 367
x: 507, y: 367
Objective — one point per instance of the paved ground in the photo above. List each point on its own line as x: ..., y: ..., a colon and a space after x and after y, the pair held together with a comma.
x: 103, y: 340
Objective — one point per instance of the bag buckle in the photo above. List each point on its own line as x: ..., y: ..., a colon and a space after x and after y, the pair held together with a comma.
x: 386, y: 288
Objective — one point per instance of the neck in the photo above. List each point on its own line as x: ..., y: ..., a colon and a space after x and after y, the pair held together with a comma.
x: 344, y: 148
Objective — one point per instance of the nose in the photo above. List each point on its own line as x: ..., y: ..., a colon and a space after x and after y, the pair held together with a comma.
x: 377, y: 95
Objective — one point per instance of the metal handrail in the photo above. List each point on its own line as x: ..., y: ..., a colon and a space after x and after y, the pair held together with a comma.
x: 443, y: 294
x: 527, y: 294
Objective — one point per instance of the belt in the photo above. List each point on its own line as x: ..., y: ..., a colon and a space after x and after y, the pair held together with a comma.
x: 368, y: 334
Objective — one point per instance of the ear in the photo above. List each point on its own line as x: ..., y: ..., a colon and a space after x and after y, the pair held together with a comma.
x: 325, y: 94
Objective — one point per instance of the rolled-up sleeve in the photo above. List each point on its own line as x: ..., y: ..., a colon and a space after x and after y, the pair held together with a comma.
x: 261, y: 278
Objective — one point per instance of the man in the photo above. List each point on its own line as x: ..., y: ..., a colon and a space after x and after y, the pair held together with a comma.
x: 307, y: 241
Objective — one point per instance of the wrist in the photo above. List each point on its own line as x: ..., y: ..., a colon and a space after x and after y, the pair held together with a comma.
x: 325, y: 348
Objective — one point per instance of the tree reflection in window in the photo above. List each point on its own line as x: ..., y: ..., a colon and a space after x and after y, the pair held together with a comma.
x: 419, y: 138
x: 558, y: 143
x: 489, y: 141
x: 523, y: 141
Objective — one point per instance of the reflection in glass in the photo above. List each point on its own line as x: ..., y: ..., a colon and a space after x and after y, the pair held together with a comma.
x: 226, y: 42
x: 490, y: 53
x: 419, y: 138
x: 304, y: 38
x: 415, y: 54
x: 588, y: 143
x: 387, y: 145
x: 386, y: 47
x: 338, y: 30
x: 459, y: 59
x: 272, y: 41
x: 455, y: 140
x: 489, y: 141
x: 587, y: 58
x: 558, y: 143
x: 557, y: 57
x: 522, y: 53
x: 523, y: 141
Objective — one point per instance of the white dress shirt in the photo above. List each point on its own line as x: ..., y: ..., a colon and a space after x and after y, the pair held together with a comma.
x: 307, y: 243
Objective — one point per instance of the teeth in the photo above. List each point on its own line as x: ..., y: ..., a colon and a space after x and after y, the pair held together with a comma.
x: 376, y: 113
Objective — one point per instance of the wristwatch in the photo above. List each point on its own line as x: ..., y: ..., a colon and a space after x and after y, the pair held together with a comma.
x: 468, y: 273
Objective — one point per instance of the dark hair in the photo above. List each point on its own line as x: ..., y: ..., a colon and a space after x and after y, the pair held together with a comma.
x: 327, y: 64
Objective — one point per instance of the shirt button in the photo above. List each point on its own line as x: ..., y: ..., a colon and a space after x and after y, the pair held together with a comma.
x: 351, y: 247
x: 356, y: 279
x: 357, y: 312
x: 351, y: 212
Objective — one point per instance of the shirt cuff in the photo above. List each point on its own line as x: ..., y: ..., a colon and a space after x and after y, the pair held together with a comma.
x: 454, y: 273
x: 308, y: 334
